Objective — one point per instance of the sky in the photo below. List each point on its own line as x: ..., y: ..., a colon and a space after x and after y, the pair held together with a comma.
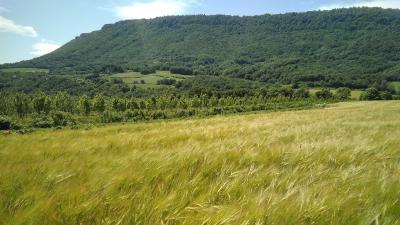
x: 31, y: 28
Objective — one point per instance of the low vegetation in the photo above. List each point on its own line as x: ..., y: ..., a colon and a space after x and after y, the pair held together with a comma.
x: 337, y: 165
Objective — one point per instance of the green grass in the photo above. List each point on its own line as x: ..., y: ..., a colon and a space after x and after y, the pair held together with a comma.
x: 150, y: 79
x: 396, y: 86
x: 24, y: 70
x: 338, y: 165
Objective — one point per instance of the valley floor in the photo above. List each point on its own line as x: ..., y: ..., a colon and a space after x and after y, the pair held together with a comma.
x: 337, y: 165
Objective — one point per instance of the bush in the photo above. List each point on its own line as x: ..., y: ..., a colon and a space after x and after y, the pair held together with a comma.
x: 166, y: 82
x: 43, y: 122
x: 324, y: 94
x: 61, y: 118
x: 385, y: 95
x: 181, y: 70
x: 370, y: 94
x: 5, y: 123
x: 111, y: 117
x: 301, y: 93
x: 343, y: 93
x: 146, y: 71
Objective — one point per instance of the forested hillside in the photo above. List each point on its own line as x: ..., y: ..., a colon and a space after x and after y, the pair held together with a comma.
x: 346, y: 47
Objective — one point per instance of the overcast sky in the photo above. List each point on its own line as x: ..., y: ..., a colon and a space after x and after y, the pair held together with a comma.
x: 30, y: 28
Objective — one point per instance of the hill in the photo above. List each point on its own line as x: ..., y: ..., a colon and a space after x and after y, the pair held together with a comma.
x: 274, y: 168
x: 355, y: 47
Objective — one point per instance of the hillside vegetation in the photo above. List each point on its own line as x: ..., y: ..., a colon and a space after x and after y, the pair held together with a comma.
x: 338, y: 165
x: 355, y: 47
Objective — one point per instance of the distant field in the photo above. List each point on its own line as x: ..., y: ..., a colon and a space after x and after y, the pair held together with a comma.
x: 150, y: 79
x: 338, y: 165
x: 355, y: 94
x: 25, y: 70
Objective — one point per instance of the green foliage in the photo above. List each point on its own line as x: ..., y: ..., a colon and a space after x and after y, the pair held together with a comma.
x: 84, y: 105
x: 21, y: 104
x: 99, y: 103
x: 5, y: 123
x: 343, y: 93
x: 43, y: 122
x: 353, y: 48
x: 370, y: 94
x: 91, y: 84
x: 61, y: 118
x: 385, y: 95
x: 147, y: 70
x: 325, y: 93
x: 111, y: 69
x: 166, y: 82
x: 181, y: 70
x: 43, y: 111
x: 301, y: 93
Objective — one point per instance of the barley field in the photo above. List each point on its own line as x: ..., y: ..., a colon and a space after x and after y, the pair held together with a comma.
x: 337, y: 165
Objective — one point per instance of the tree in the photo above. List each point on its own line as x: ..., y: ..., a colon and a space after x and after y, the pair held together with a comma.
x: 99, y: 103
x: 370, y: 94
x: 21, y: 104
x: 343, y: 93
x: 84, y: 105
x: 64, y: 102
x: 41, y: 103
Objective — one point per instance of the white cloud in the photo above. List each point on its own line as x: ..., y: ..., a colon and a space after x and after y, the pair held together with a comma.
x: 393, y: 4
x: 7, y: 25
x: 152, y: 9
x: 44, y: 47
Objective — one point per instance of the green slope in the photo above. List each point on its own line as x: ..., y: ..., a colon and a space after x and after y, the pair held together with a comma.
x: 347, y: 47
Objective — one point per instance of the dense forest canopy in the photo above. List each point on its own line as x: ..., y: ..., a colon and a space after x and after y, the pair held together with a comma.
x: 355, y: 47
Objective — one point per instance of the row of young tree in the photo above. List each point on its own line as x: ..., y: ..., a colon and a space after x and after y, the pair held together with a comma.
x: 41, y: 110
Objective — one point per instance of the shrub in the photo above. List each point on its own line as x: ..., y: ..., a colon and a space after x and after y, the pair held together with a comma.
x: 301, y: 93
x: 166, y: 82
x: 146, y: 71
x: 343, y: 93
x: 44, y: 122
x: 385, y: 95
x: 181, y: 70
x: 324, y: 94
x: 60, y: 118
x: 5, y: 123
x: 111, y: 117
x: 370, y: 94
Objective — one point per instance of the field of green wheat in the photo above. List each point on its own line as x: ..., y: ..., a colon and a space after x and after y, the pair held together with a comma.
x: 337, y: 165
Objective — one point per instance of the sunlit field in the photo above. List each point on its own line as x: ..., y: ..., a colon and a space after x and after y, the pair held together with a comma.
x: 149, y: 80
x: 337, y: 165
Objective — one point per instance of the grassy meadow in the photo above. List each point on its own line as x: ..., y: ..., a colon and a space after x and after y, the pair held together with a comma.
x: 338, y: 165
x: 134, y: 78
